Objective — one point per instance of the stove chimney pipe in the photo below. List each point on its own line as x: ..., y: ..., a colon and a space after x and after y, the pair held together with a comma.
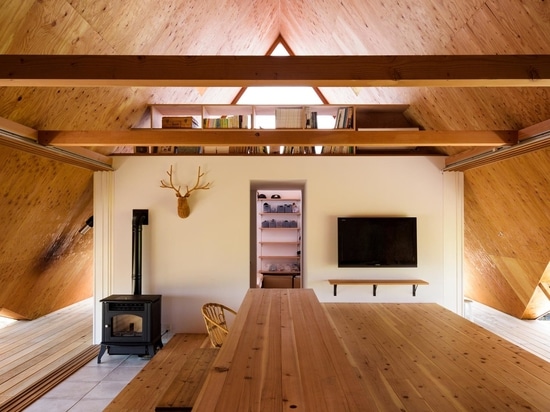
x: 140, y: 217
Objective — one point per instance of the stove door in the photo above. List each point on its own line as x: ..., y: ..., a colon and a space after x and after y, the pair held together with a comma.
x: 126, y: 322
x: 125, y: 325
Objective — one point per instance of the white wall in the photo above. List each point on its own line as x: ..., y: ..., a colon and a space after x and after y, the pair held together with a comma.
x: 206, y: 256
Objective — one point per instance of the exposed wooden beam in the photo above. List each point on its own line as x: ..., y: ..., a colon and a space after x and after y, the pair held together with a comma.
x: 534, y: 130
x: 530, y: 139
x: 24, y: 138
x: 238, y: 137
x: 243, y: 71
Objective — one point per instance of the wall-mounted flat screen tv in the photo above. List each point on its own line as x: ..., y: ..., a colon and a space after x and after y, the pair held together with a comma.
x: 377, y: 242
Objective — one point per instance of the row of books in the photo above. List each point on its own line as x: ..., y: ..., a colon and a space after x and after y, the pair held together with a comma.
x: 245, y: 150
x: 190, y: 122
x: 315, y: 150
x: 344, y: 118
x: 302, y: 117
x: 226, y: 122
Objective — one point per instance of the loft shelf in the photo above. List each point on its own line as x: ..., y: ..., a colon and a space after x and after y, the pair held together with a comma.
x: 208, y: 125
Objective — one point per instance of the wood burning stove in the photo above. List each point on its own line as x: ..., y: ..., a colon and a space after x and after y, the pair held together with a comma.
x: 132, y: 323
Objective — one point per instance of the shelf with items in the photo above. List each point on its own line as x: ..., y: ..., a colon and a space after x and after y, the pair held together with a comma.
x: 333, y: 116
x: 279, y: 236
x: 283, y: 117
x: 255, y: 130
x: 226, y: 117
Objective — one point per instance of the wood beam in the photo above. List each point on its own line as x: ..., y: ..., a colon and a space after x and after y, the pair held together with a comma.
x: 534, y: 130
x: 243, y: 71
x: 529, y: 139
x: 239, y: 137
x: 24, y: 138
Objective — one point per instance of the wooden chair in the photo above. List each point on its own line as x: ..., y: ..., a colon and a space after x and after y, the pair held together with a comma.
x: 216, y: 324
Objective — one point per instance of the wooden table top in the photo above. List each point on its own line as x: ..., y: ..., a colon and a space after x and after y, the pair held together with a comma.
x: 288, y: 351
x: 282, y: 354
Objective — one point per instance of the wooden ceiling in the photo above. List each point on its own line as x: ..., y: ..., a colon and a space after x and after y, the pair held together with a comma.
x: 501, y: 29
x: 502, y: 268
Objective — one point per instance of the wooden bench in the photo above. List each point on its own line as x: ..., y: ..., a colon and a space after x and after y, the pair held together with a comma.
x: 145, y: 391
x: 184, y: 389
x: 376, y: 282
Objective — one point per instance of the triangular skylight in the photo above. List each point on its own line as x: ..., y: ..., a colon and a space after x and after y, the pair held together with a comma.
x: 279, y: 95
x: 290, y: 95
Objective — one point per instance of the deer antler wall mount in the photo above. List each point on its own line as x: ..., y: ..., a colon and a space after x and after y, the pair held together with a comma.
x: 183, y: 205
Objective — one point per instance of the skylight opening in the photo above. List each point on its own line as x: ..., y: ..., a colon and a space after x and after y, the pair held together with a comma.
x: 283, y: 96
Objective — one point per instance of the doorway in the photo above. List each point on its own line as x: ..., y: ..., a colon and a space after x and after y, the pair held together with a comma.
x: 277, y: 234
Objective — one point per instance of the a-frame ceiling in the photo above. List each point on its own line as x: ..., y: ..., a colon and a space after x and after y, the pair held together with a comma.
x: 476, y: 28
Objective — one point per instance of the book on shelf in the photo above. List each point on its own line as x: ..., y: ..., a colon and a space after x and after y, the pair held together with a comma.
x: 246, y: 150
x: 295, y: 118
x: 344, y: 118
x: 290, y: 118
x: 226, y: 122
x: 310, y: 118
x: 188, y: 150
x: 179, y: 122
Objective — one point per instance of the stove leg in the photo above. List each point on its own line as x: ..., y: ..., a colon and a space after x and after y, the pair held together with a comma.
x: 102, y: 350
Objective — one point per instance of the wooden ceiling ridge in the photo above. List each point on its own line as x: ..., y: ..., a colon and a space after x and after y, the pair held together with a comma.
x: 244, y: 71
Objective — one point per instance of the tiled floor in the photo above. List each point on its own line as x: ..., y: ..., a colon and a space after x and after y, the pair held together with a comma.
x: 94, y: 386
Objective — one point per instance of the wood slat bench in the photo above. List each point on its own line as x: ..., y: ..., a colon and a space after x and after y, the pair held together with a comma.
x: 184, y: 389
x: 145, y: 391
x: 376, y: 282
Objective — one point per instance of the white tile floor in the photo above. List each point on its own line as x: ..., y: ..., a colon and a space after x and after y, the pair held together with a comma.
x: 94, y: 386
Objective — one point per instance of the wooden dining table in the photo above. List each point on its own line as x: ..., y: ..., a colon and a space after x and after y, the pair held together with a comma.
x: 282, y: 354
x: 287, y: 351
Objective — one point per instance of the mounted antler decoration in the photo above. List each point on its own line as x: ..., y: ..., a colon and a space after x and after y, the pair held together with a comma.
x: 183, y: 205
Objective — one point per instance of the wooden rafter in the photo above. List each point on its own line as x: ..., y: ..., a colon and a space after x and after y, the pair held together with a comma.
x: 243, y: 71
x: 239, y: 137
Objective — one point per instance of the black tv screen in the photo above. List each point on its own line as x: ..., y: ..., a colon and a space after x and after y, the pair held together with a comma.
x: 377, y: 242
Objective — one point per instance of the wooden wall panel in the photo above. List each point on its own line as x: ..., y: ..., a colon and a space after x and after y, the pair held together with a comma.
x: 507, y: 233
x: 45, y: 263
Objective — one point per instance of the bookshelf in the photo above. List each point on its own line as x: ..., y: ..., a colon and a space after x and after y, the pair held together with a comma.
x: 283, y: 119
x: 279, y: 238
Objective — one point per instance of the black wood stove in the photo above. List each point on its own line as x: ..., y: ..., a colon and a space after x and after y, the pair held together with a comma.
x: 132, y: 323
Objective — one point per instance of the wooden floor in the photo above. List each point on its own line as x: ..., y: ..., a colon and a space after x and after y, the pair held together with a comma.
x: 531, y: 335
x: 422, y: 357
x: 32, y: 350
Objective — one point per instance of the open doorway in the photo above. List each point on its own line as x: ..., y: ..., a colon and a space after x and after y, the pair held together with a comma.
x: 277, y: 234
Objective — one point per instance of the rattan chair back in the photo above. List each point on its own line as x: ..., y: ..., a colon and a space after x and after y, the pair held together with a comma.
x: 216, y: 323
